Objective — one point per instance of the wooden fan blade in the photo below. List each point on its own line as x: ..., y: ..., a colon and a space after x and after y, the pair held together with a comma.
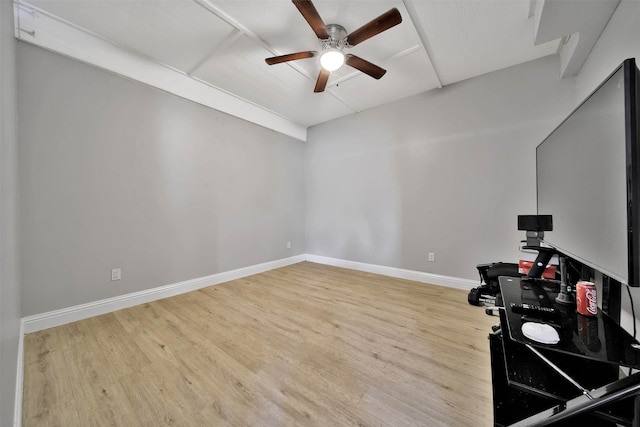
x: 323, y: 77
x: 365, y: 66
x: 311, y: 15
x: 382, y: 23
x: 290, y: 57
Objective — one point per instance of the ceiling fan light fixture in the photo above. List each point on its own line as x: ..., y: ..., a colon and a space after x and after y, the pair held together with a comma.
x: 333, y: 39
x: 332, y: 59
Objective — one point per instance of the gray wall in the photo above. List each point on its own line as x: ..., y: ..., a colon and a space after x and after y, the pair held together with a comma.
x: 446, y: 172
x: 116, y: 174
x: 9, y: 264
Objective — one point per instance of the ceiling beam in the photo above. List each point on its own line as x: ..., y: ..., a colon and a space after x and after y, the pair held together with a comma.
x: 578, y: 22
x: 413, y: 15
x: 40, y: 28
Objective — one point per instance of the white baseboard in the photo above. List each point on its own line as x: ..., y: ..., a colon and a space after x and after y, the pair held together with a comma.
x: 17, y: 410
x: 418, y: 276
x: 63, y: 316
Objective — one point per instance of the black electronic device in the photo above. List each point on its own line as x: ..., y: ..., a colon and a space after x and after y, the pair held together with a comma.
x: 535, y: 222
x: 588, y: 179
x: 534, y: 310
x: 535, y: 226
x: 489, y: 288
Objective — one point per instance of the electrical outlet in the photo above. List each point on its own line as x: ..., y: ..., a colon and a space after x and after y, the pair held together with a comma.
x: 288, y: 245
x: 432, y: 257
x: 116, y: 274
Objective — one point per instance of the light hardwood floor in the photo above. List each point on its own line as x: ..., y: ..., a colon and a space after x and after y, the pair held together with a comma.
x: 304, y: 345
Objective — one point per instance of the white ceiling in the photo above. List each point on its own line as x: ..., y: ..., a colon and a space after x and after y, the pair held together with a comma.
x: 224, y: 43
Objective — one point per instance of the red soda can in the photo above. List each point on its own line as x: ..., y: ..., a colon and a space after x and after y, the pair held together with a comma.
x: 587, y: 298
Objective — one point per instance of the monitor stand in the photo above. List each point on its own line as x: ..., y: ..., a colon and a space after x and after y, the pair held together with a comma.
x: 564, y: 297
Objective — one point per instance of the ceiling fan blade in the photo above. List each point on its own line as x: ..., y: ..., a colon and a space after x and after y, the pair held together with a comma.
x: 365, y: 66
x: 311, y: 15
x: 382, y: 23
x: 323, y: 77
x: 290, y: 57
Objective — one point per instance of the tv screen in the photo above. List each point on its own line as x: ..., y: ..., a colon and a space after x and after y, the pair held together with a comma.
x: 587, y: 179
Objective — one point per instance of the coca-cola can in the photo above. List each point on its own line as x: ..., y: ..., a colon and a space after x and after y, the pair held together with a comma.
x: 586, y: 298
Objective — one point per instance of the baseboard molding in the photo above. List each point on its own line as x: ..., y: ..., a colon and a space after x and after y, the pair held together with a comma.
x: 17, y: 410
x: 63, y: 316
x: 418, y: 276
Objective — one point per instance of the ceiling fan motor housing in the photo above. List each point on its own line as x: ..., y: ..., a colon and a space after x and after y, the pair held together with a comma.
x: 337, y: 37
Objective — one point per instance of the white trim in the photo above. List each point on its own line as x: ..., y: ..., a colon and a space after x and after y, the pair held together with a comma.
x: 17, y: 410
x: 418, y: 276
x: 63, y: 316
x: 41, y: 29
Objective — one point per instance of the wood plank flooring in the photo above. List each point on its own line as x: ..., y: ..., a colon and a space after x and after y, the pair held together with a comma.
x: 304, y: 345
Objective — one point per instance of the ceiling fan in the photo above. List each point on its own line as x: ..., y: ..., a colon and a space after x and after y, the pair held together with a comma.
x: 334, y: 40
